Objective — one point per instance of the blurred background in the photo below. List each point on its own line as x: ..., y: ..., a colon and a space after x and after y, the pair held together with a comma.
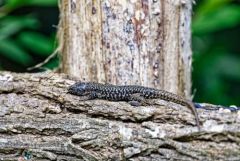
x: 27, y: 33
x: 28, y: 30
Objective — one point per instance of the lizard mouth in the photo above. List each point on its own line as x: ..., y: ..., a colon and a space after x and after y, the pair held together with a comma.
x: 77, y: 92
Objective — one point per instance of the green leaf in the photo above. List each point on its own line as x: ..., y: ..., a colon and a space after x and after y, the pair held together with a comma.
x: 12, y: 24
x: 222, y: 18
x: 13, y: 4
x: 43, y: 2
x: 13, y: 52
x: 211, y: 5
x: 37, y: 43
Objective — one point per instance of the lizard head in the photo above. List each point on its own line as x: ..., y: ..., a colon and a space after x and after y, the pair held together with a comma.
x: 79, y: 88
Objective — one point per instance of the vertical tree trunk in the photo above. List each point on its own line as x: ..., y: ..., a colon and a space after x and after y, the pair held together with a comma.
x: 128, y: 42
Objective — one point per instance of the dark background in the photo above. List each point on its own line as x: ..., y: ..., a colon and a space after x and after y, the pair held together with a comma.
x: 28, y: 30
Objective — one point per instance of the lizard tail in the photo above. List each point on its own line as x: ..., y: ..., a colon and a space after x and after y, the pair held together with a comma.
x: 191, y: 106
x: 167, y: 96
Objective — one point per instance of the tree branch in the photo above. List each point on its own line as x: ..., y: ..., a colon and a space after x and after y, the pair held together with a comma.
x: 38, y: 119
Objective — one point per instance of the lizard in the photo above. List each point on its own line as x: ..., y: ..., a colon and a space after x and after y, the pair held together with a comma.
x: 136, y: 95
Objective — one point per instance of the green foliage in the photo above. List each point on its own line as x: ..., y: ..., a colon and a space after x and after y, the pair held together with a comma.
x: 21, y: 41
x: 11, y: 5
x: 42, y: 47
x: 215, y: 15
x: 217, y: 19
x: 216, y: 74
x: 11, y: 50
x: 11, y: 25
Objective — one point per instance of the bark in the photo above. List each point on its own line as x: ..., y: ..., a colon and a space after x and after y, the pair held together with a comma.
x: 39, y: 120
x: 128, y: 42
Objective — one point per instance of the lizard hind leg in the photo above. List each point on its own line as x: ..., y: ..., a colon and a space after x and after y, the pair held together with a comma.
x: 134, y: 103
x: 137, y: 100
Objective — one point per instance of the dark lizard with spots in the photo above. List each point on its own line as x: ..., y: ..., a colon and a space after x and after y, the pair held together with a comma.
x: 135, y: 95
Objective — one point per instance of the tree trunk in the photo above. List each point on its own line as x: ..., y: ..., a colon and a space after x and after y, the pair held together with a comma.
x: 128, y: 42
x: 40, y: 121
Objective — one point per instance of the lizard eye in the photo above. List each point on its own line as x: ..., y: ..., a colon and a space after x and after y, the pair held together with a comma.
x: 77, y: 89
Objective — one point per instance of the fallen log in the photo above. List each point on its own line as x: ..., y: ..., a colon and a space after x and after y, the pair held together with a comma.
x: 39, y: 120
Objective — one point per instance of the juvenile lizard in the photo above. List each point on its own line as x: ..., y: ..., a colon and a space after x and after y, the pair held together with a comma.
x: 135, y: 95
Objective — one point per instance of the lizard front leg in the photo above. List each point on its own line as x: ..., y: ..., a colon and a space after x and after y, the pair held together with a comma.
x: 137, y: 100
x: 92, y: 95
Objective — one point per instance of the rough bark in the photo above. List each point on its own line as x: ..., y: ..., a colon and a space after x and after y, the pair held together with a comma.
x: 128, y: 42
x: 40, y: 120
